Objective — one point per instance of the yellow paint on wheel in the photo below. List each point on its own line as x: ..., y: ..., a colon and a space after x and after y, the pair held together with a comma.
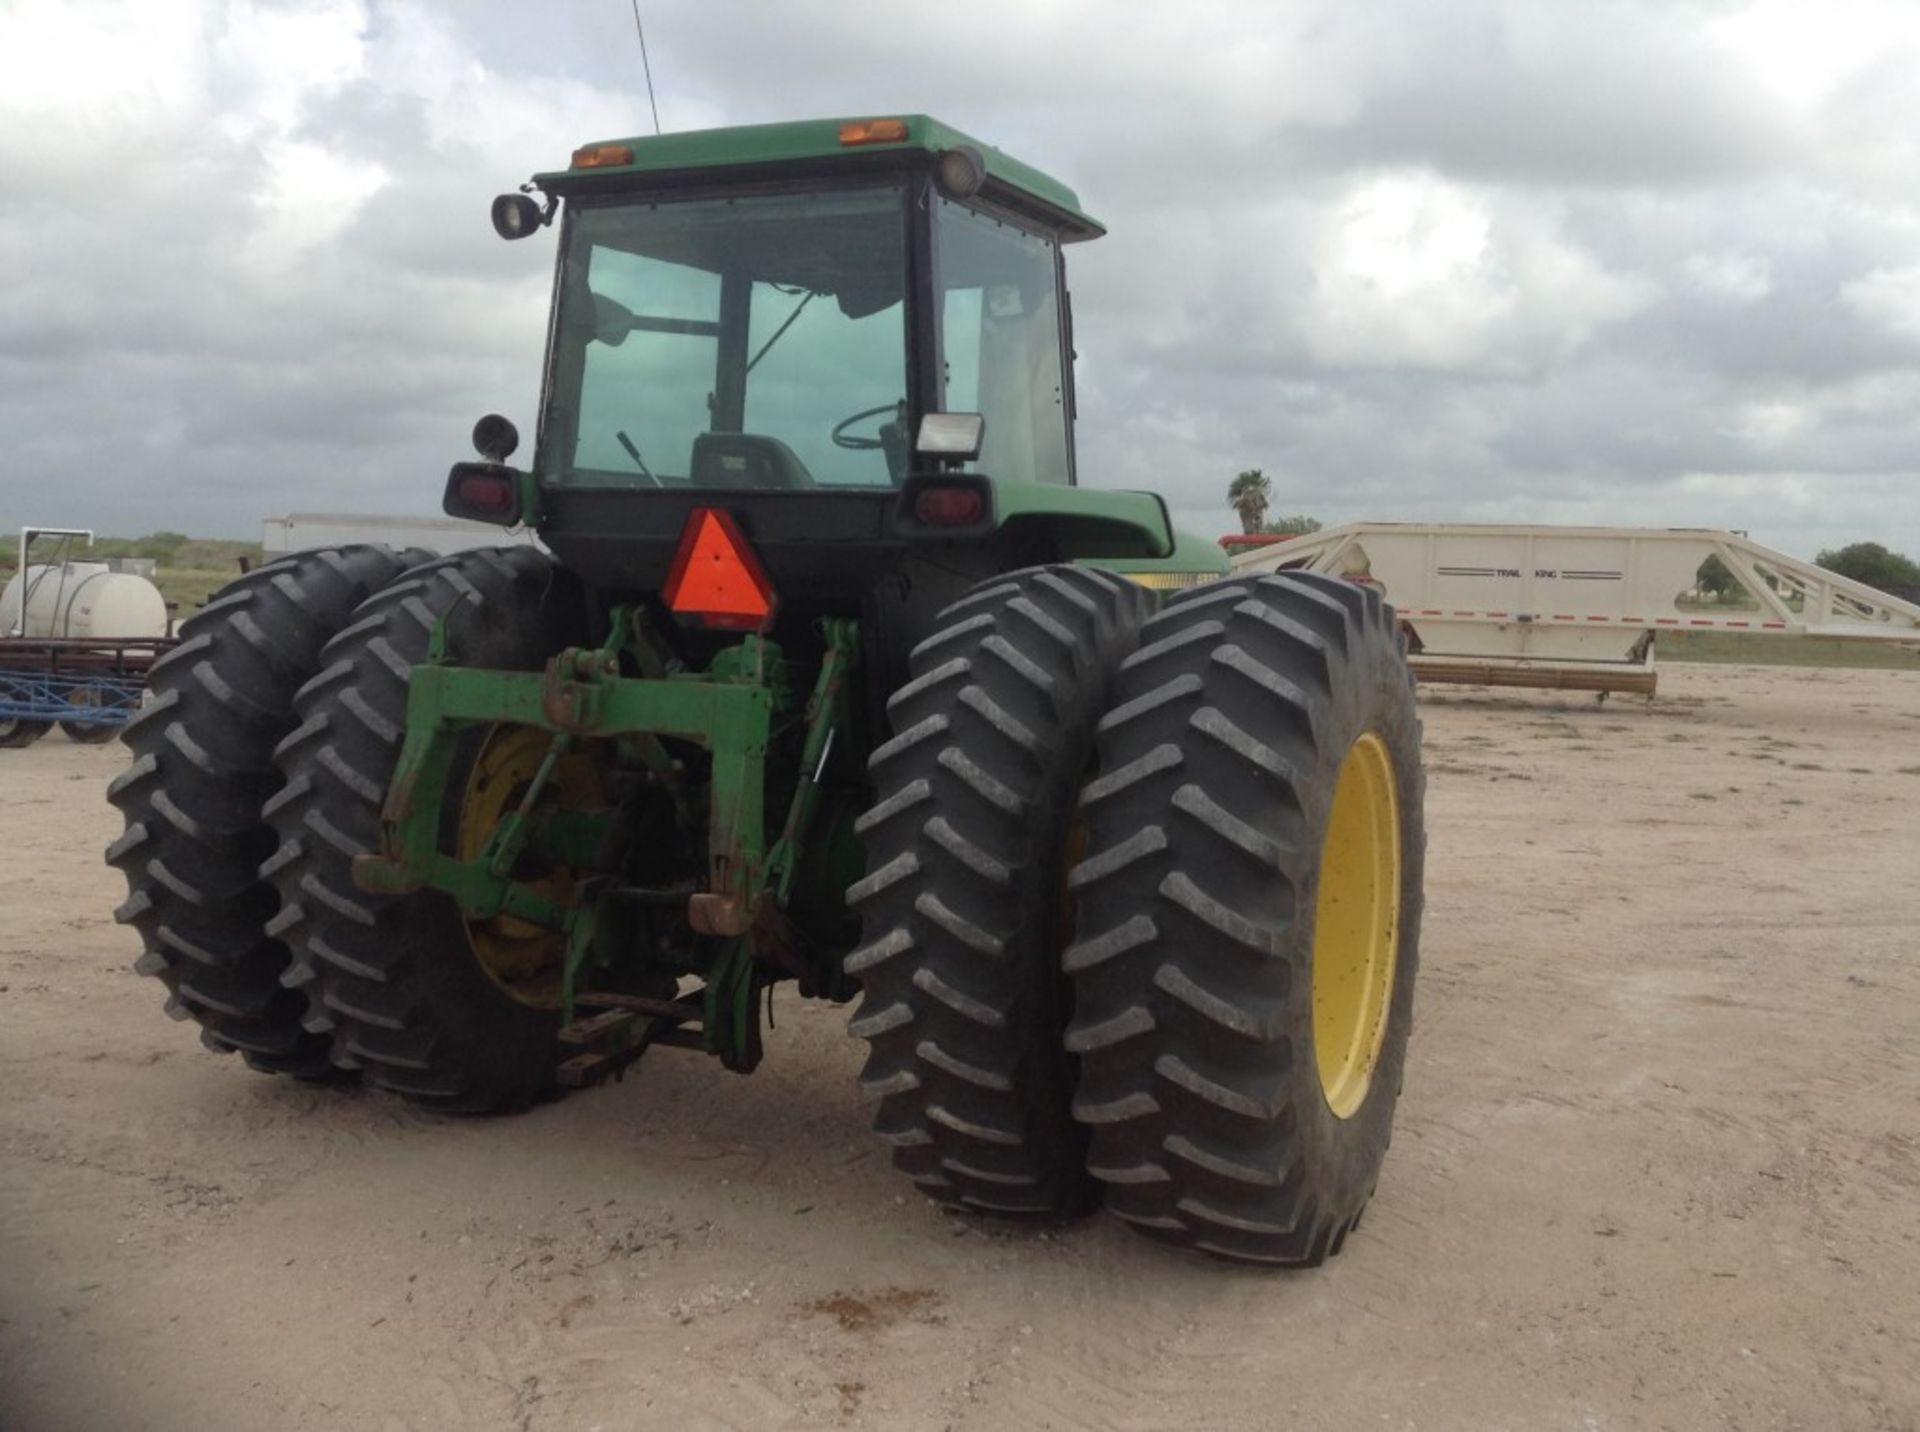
x: 1356, y: 938
x: 524, y: 959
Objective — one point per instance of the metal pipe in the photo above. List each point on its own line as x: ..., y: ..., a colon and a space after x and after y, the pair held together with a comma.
x: 27, y: 534
x: 1637, y: 680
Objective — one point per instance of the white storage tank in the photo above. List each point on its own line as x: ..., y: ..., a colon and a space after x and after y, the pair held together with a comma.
x: 87, y: 601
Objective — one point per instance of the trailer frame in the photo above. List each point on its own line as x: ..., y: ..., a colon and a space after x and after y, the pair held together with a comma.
x: 74, y: 681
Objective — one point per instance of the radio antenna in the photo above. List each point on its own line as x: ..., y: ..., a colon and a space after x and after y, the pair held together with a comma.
x: 646, y: 65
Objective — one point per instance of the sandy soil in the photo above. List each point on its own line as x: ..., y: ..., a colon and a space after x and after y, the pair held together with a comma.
x: 1658, y: 1163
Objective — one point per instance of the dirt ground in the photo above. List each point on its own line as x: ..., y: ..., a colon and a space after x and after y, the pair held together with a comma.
x: 1657, y: 1164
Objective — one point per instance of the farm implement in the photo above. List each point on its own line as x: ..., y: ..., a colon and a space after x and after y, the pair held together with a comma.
x: 76, y: 642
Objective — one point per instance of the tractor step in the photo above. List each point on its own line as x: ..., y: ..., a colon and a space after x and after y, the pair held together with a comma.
x: 624, y: 1028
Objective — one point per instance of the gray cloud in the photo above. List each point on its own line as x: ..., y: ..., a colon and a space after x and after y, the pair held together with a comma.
x: 1636, y: 263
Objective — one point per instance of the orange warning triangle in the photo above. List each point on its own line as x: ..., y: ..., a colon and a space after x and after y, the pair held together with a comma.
x: 715, y: 577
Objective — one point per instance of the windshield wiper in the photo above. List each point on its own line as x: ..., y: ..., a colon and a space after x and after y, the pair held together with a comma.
x: 638, y: 461
x: 779, y: 332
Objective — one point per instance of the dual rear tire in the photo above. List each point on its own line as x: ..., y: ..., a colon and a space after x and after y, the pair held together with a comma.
x: 394, y: 981
x: 202, y: 768
x: 1172, y: 967
x: 963, y: 910
x: 1249, y: 918
x: 259, y: 769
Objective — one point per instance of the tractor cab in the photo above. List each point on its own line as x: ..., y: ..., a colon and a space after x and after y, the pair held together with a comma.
x: 835, y: 315
x: 757, y: 337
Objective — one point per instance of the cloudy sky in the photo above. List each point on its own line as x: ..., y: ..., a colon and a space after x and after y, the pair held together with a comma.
x: 1636, y: 263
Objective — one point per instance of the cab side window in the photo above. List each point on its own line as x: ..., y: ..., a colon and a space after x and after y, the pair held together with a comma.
x: 1000, y: 331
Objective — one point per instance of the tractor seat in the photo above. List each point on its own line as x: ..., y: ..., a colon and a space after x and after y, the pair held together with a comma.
x: 747, y: 460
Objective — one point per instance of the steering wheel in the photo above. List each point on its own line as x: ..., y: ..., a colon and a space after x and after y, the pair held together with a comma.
x: 842, y: 438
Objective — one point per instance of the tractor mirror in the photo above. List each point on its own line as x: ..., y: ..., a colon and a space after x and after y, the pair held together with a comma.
x: 952, y: 437
x: 495, y: 438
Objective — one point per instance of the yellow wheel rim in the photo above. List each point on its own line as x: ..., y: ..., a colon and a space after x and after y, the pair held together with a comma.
x: 1356, y: 937
x: 525, y: 960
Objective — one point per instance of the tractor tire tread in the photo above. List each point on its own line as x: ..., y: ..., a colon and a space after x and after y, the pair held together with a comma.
x: 963, y: 998
x: 201, y: 770
x: 1192, y: 1004
x: 364, y: 960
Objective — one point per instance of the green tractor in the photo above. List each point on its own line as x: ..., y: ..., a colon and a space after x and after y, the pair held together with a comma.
x: 824, y: 669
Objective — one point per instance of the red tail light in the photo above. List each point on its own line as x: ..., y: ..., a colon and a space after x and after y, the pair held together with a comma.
x: 485, y: 492
x: 488, y: 494
x: 716, y: 579
x: 948, y: 506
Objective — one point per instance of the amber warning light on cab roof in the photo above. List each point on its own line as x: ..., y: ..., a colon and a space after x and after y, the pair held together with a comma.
x: 874, y: 131
x: 716, y: 579
x: 602, y: 156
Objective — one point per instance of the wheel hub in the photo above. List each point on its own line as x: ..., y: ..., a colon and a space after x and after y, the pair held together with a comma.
x: 1356, y: 925
x: 524, y: 959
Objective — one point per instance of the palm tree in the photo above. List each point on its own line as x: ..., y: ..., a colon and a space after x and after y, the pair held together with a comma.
x: 1249, y: 494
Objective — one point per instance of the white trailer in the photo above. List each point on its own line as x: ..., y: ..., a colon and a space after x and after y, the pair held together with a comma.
x: 1578, y: 607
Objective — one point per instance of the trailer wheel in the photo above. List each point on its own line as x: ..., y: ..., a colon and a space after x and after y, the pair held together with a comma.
x: 1249, y: 918
x: 964, y: 909
x: 16, y: 732
x: 85, y: 733
x: 450, y: 1014
x: 202, y: 765
x: 88, y: 733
